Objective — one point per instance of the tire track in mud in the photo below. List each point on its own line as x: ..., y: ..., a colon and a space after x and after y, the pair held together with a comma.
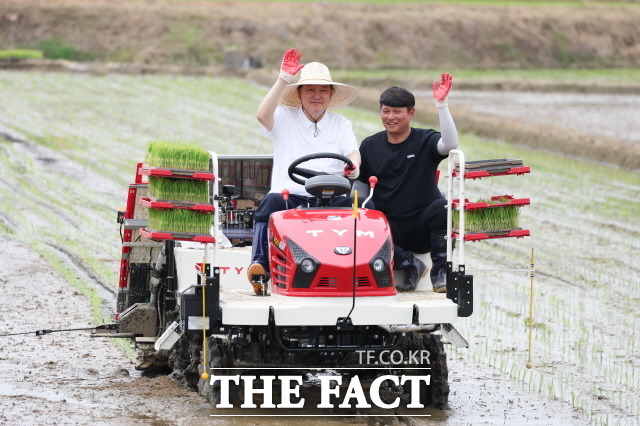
x: 77, y: 375
x: 10, y: 138
x: 8, y: 222
x: 70, y: 377
x: 106, y: 292
x: 82, y: 270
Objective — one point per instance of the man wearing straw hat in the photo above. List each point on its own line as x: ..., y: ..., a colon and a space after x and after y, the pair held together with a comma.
x: 299, y: 126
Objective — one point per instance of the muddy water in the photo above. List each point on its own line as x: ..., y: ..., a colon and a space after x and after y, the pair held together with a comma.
x: 69, y: 377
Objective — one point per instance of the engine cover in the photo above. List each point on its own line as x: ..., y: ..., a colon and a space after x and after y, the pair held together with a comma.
x: 313, y: 252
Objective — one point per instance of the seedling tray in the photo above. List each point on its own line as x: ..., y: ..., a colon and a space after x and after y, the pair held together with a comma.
x: 173, y: 204
x: 176, y: 173
x: 510, y: 202
x: 497, y: 162
x: 181, y: 236
x: 497, y: 167
x: 491, y: 234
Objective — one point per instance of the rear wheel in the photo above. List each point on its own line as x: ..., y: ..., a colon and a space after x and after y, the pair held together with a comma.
x: 436, y: 393
x: 184, y: 360
x: 217, y: 357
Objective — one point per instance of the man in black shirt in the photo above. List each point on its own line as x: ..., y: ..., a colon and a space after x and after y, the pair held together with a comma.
x: 405, y: 160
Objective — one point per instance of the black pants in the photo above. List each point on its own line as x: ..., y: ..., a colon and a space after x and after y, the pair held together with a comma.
x: 414, y: 233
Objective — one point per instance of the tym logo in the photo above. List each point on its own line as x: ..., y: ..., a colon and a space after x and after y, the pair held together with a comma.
x: 340, y: 233
x: 224, y: 270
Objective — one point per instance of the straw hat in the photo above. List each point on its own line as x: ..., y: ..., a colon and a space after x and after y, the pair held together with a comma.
x: 317, y: 73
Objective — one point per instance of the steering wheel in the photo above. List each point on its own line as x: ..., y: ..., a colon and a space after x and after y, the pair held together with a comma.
x: 295, y: 170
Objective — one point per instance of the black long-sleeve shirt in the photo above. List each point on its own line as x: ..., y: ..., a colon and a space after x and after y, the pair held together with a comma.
x: 405, y: 171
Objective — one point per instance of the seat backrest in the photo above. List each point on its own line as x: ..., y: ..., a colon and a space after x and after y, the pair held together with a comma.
x: 327, y: 186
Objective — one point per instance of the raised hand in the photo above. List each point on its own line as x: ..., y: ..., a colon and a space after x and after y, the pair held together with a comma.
x: 290, y: 64
x: 441, y: 89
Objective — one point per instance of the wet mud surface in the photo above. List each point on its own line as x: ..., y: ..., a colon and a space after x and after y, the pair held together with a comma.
x: 69, y: 377
x: 72, y: 378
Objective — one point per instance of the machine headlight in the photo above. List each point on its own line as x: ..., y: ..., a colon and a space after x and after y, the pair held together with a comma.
x: 378, y: 264
x: 308, y: 265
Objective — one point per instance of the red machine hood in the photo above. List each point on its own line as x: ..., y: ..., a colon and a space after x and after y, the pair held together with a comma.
x: 327, y: 237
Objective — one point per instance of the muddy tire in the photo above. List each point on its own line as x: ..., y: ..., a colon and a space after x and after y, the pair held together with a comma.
x: 216, y: 352
x: 437, y: 393
x: 184, y: 360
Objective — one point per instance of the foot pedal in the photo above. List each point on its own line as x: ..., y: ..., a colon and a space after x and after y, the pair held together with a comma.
x: 260, y: 285
x: 258, y: 278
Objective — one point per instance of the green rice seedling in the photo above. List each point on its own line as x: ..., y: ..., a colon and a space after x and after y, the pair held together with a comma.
x: 177, y: 155
x: 179, y: 189
x: 476, y: 220
x: 20, y: 54
x: 180, y: 220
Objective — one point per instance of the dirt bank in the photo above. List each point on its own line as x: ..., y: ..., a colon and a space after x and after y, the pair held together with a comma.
x: 345, y: 35
x: 194, y: 37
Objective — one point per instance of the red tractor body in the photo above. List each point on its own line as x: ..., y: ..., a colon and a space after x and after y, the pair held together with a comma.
x: 313, y: 252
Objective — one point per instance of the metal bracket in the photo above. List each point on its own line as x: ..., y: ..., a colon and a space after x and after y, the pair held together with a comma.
x: 453, y: 336
x: 191, y: 302
x: 460, y: 289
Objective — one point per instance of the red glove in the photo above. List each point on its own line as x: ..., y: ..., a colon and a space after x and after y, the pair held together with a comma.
x: 441, y: 90
x: 352, y: 172
x: 290, y: 64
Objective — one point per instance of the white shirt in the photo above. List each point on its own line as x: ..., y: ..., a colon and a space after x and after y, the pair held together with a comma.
x: 293, y: 137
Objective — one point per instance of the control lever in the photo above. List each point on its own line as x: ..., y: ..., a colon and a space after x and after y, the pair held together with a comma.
x: 285, y: 195
x: 372, y: 183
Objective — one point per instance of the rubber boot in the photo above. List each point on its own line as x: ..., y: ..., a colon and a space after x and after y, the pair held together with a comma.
x: 439, y: 268
x: 414, y: 269
x: 258, y: 271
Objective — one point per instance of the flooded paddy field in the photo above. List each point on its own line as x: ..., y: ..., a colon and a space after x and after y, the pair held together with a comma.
x: 68, y: 148
x: 611, y: 115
